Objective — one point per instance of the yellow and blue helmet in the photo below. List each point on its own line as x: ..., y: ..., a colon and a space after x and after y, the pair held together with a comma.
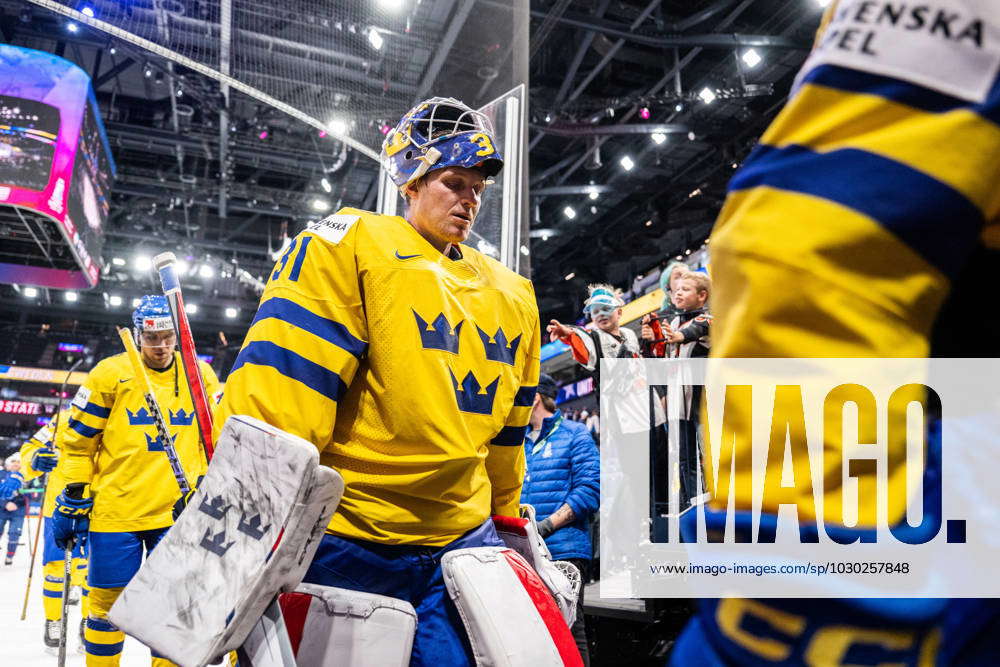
x: 438, y: 133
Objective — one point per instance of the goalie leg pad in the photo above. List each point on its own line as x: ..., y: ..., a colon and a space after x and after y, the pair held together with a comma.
x: 562, y: 579
x: 511, y: 618
x: 337, y: 626
x: 248, y: 533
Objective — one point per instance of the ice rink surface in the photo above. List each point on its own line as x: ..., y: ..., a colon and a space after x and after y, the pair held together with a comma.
x: 21, y: 641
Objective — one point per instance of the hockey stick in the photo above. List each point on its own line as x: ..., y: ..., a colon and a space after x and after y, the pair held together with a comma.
x: 154, y: 408
x: 164, y: 263
x: 45, y: 493
x: 64, y: 621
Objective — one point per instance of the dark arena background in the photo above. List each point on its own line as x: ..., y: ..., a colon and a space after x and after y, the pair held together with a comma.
x: 218, y: 129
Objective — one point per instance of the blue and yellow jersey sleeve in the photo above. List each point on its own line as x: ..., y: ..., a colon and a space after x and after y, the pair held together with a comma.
x: 505, y: 461
x: 42, y: 438
x: 845, y: 229
x: 305, y: 343
x: 88, y: 417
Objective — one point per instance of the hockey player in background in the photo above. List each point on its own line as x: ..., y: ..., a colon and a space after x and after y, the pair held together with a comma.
x: 410, y: 361
x: 13, y: 505
x: 41, y: 455
x: 120, y: 491
x: 864, y: 224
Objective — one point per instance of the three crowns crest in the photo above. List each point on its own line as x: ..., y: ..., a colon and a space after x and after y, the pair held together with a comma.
x: 440, y: 335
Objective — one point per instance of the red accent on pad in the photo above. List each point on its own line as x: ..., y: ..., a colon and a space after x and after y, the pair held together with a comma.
x: 278, y: 541
x: 510, y: 524
x: 294, y: 609
x: 547, y: 609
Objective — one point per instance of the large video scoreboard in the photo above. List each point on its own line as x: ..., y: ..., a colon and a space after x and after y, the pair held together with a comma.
x: 56, y: 172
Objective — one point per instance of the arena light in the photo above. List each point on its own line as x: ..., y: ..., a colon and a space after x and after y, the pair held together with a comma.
x: 594, y: 194
x: 87, y: 11
x: 569, y: 212
x: 524, y: 250
x: 679, y: 108
x: 205, y: 271
x: 30, y: 292
x: 337, y: 126
x: 326, y: 185
x: 72, y: 27
x: 751, y: 58
x: 823, y: 3
x: 190, y: 308
x: 390, y: 4
x: 135, y: 302
x: 627, y: 163
x: 320, y: 204
x: 232, y: 312
x: 375, y: 39
x: 570, y: 276
x: 71, y: 297
x: 114, y: 300
x: 182, y: 267
x: 658, y: 138
x: 143, y: 263
x: 118, y: 261
x: 707, y: 95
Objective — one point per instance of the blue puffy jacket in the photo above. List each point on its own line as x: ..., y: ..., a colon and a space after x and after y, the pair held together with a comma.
x: 566, y: 469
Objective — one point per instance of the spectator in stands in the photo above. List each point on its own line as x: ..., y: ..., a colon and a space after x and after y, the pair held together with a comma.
x: 686, y: 336
x: 13, y: 505
x: 562, y: 483
x: 607, y: 339
x: 668, y: 281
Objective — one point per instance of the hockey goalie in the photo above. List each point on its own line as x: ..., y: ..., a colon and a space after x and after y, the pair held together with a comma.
x: 370, y: 451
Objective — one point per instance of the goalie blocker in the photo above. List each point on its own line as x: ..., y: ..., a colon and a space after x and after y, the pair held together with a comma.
x: 248, y: 533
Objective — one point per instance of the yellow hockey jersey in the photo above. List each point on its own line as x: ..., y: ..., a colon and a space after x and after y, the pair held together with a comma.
x: 44, y: 437
x: 411, y: 372
x: 112, y: 444
x: 869, y: 199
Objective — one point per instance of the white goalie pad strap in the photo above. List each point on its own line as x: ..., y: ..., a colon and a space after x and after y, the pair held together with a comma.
x: 522, y: 536
x: 507, y: 610
x: 249, y: 532
x: 336, y: 626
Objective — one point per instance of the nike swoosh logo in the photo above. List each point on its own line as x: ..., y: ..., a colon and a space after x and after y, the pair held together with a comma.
x: 125, y: 380
x: 398, y: 256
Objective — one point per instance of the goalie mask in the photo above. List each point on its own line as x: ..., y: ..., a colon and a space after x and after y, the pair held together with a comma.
x: 438, y: 133
x: 152, y: 314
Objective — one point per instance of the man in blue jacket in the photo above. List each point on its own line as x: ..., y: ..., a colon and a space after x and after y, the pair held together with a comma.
x: 562, y: 482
